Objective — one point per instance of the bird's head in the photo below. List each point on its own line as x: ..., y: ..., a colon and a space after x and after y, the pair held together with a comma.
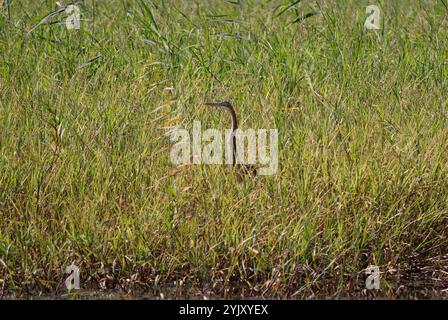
x: 223, y: 104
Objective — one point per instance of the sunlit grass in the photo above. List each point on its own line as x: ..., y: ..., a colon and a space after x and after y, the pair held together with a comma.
x: 85, y: 175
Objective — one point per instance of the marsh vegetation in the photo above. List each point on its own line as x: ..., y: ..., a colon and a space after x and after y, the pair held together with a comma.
x: 85, y: 176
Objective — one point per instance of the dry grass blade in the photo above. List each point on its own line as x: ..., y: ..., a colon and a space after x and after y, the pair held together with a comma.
x: 444, y: 4
x: 235, y: 3
x: 90, y: 61
x: 287, y: 7
x: 5, y: 272
x: 305, y: 16
x: 48, y: 17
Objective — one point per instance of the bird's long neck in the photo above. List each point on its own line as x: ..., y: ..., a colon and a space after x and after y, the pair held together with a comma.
x: 233, y: 136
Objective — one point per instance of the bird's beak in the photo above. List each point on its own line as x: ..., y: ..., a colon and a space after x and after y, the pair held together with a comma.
x: 213, y: 104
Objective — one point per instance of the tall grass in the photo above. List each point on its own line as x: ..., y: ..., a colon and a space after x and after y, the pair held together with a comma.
x: 85, y: 175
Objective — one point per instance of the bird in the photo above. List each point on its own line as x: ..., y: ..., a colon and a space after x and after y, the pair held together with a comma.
x: 243, y: 168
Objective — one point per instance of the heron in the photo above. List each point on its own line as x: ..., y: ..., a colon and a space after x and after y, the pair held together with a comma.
x: 244, y: 168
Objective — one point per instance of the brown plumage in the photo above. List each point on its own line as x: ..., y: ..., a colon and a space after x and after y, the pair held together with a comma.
x: 243, y: 168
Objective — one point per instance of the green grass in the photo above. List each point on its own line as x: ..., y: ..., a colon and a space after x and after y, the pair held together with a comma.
x: 85, y: 175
